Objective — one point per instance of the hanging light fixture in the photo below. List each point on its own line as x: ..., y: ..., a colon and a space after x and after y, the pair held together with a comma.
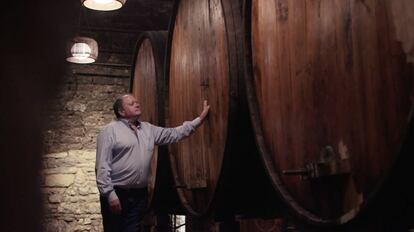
x: 103, y: 5
x: 82, y: 50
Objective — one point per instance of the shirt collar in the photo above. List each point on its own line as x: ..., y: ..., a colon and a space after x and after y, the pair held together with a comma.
x: 126, y: 121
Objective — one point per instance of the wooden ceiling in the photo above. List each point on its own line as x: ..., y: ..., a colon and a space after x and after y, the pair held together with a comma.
x: 117, y: 31
x: 135, y: 15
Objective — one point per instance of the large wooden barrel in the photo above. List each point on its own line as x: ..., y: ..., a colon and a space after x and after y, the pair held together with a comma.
x: 204, y: 61
x: 329, y: 94
x: 149, y: 87
x: 203, y: 64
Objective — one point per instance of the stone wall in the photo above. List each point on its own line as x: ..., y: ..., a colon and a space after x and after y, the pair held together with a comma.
x: 83, y: 106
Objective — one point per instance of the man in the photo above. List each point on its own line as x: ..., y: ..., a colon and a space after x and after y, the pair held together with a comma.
x: 124, y: 150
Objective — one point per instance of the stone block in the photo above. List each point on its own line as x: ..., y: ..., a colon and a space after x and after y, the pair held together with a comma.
x: 75, y: 106
x: 59, y: 180
x: 60, y: 170
x: 55, y: 198
x: 56, y: 155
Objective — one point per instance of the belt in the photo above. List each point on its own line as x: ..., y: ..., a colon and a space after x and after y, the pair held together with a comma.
x: 130, y: 190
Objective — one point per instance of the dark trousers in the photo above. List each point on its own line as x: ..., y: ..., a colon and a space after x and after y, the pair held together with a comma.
x: 134, y: 205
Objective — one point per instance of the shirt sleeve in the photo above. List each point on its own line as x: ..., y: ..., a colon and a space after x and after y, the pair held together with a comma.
x: 103, y: 169
x: 171, y: 135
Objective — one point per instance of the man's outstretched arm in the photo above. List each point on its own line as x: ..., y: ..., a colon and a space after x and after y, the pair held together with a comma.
x: 171, y: 135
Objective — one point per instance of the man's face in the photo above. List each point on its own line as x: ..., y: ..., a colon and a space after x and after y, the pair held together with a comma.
x: 131, y: 108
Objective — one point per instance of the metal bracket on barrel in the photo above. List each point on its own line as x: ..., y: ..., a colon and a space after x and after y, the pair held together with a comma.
x: 329, y: 164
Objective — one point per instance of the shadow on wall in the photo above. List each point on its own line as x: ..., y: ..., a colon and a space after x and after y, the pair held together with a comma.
x: 32, y: 43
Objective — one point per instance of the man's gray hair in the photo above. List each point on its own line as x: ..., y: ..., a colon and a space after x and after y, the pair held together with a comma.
x: 118, y: 105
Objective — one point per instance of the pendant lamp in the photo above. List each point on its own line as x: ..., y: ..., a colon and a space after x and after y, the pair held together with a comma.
x: 103, y: 5
x: 82, y: 50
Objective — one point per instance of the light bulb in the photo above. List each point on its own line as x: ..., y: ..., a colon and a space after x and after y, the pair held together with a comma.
x: 81, y: 52
x: 103, y: 5
x: 103, y: 1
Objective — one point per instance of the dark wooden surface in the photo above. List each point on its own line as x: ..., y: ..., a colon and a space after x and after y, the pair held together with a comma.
x: 328, y: 73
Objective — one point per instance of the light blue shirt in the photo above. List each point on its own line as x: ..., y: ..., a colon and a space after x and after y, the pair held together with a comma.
x: 123, y: 157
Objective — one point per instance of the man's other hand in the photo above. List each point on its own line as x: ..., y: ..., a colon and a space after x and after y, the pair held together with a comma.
x: 115, y: 206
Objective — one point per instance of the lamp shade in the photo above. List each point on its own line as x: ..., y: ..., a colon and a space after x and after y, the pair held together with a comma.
x: 82, y: 50
x: 103, y: 5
